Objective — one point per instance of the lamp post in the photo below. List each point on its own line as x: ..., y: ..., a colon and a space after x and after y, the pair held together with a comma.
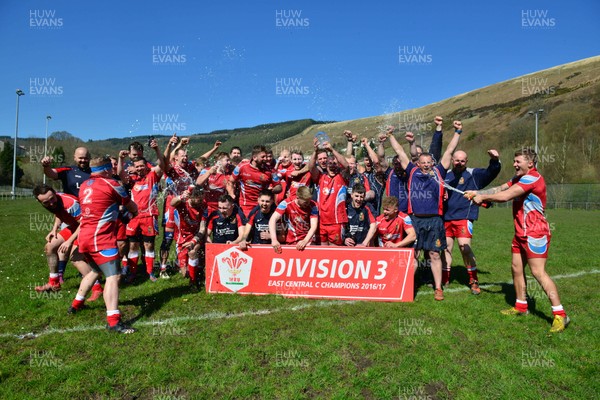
x: 48, y: 118
x: 536, y: 113
x: 19, y: 94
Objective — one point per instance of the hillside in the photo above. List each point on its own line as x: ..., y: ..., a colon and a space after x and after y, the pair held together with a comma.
x: 495, y: 116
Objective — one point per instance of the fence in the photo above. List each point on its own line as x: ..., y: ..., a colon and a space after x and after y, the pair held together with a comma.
x: 565, y: 196
x: 20, y: 193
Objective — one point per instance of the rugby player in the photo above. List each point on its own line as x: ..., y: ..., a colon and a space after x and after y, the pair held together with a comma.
x: 301, y: 217
x: 100, y: 198
x: 531, y: 242
x: 361, y: 226
x: 331, y: 197
x: 425, y: 201
x: 460, y: 213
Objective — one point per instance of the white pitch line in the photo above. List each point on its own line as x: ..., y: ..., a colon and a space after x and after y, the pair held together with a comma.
x: 210, y: 316
x: 222, y: 315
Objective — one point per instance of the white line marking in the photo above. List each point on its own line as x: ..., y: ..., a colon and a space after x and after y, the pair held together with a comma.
x: 221, y: 315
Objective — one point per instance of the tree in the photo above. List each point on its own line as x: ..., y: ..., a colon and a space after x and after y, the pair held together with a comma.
x: 6, y: 166
x: 58, y: 154
x: 65, y: 136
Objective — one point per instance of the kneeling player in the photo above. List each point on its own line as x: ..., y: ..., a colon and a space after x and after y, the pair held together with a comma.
x: 59, y: 245
x: 394, y: 228
x: 302, y: 219
x: 361, y: 222
x: 226, y: 225
x: 257, y: 226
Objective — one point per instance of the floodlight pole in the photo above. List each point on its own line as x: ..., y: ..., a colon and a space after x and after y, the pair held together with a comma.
x: 14, y: 176
x: 48, y: 118
x: 536, y: 113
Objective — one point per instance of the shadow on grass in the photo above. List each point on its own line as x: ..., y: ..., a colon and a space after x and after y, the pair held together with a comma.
x: 508, y: 290
x: 152, y: 302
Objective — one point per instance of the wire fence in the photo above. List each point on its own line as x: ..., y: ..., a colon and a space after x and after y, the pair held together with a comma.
x: 565, y: 196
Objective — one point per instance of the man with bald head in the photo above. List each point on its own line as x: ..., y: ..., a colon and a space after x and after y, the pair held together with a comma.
x: 460, y: 213
x: 73, y: 176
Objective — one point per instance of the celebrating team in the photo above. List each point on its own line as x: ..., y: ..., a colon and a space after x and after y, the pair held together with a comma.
x: 431, y: 200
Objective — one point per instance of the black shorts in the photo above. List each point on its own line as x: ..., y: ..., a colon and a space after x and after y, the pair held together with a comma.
x: 430, y: 231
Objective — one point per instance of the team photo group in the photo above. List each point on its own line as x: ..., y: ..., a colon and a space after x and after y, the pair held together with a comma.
x: 111, y: 210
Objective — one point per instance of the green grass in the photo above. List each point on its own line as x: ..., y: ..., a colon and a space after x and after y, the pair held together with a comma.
x: 222, y: 346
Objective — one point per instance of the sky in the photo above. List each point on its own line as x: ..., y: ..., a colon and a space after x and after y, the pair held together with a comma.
x: 116, y: 69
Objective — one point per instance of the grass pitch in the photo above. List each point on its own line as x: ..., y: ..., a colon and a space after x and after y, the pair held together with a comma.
x: 203, y: 346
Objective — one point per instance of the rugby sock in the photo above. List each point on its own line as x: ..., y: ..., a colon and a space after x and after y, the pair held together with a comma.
x: 192, y: 266
x: 132, y: 261
x: 472, y: 271
x: 62, y: 265
x: 78, y: 302
x: 113, y: 317
x: 521, y: 305
x: 54, y: 279
x: 97, y: 287
x: 149, y: 258
x: 446, y: 275
x: 124, y: 262
x: 558, y: 310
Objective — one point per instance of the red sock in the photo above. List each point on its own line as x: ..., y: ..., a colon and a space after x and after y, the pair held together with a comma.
x: 193, y: 270
x: 558, y: 310
x: 97, y: 287
x: 521, y: 305
x: 54, y: 281
x: 77, y: 304
x: 113, y: 319
x: 445, y: 276
x: 132, y: 261
x: 149, y: 258
x: 472, y: 271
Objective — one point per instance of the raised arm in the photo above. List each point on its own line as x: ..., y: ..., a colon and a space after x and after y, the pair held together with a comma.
x: 209, y: 153
x: 435, y: 148
x: 372, y: 155
x: 180, y: 145
x: 315, y: 173
x: 339, y: 157
x: 169, y: 149
x: 160, y: 167
x: 402, y: 157
x: 381, y: 149
x: 485, y: 176
x: 120, y: 170
x: 48, y: 170
x: 350, y: 139
x: 447, y: 157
